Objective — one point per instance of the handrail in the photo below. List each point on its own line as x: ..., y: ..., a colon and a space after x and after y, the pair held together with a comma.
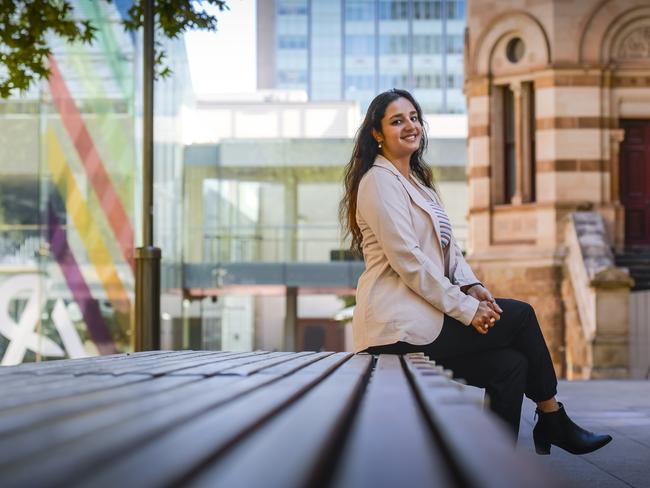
x: 590, y: 265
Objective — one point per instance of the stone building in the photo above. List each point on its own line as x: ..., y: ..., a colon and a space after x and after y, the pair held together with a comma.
x: 558, y: 95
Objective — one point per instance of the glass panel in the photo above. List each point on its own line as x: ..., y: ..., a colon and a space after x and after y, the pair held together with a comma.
x: 456, y: 9
x: 292, y: 44
x: 68, y: 201
x: 69, y: 196
x: 326, y: 54
x: 238, y: 226
x: 427, y: 9
x: 394, y: 45
x: 455, y: 29
x: 361, y: 10
x: 428, y: 61
x: 360, y: 81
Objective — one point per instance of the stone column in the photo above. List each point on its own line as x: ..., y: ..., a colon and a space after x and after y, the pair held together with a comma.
x: 496, y: 134
x: 290, y: 237
x: 527, y: 156
x: 616, y: 137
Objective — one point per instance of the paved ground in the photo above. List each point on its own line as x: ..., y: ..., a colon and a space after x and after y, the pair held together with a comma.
x: 619, y: 408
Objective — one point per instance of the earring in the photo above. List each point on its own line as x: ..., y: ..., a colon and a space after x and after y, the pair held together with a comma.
x: 378, y: 144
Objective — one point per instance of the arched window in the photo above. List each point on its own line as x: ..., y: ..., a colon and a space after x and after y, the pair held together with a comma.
x: 513, y: 152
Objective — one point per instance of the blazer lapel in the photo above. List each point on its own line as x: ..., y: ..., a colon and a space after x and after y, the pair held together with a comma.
x: 415, y: 195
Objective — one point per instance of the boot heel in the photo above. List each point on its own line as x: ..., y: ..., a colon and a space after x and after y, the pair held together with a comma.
x: 542, y: 447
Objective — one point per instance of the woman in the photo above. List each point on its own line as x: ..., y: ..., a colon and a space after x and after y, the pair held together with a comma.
x: 417, y: 293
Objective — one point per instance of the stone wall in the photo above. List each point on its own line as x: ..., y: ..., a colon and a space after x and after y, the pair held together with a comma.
x: 578, y: 351
x: 583, y: 67
x: 537, y: 285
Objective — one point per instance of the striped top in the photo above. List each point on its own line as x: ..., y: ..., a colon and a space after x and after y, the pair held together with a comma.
x: 443, y: 220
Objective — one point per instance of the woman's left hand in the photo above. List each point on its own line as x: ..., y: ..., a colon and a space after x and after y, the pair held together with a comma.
x: 481, y: 293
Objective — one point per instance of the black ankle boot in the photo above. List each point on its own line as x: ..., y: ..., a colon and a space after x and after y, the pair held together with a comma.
x: 558, y: 429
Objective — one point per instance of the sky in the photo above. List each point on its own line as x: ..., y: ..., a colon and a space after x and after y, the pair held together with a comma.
x: 224, y: 61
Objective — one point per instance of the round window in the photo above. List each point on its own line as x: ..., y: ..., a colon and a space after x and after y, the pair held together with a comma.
x: 515, y: 50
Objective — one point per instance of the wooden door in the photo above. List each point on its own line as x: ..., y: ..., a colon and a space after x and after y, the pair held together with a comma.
x: 635, y: 182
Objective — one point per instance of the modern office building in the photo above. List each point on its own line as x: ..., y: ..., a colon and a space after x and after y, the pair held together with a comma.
x: 264, y: 260
x: 336, y: 52
x: 354, y: 49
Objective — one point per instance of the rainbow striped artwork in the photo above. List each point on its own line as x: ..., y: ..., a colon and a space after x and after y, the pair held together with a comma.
x: 89, y: 151
x: 75, y: 280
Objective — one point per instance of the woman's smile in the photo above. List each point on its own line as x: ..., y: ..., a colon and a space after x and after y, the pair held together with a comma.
x: 412, y: 137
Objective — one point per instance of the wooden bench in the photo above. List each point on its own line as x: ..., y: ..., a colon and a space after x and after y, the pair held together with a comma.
x: 267, y: 419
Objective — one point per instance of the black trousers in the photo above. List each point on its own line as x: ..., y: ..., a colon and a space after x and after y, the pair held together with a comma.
x: 510, y: 361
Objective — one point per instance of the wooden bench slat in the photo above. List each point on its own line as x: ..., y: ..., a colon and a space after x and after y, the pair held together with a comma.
x: 65, y: 387
x: 299, y: 439
x: 31, y: 416
x: 150, y: 366
x: 50, y: 367
x: 249, y: 369
x: 136, y: 364
x: 216, y: 368
x: 56, y: 382
x: 295, y: 365
x: 120, y: 427
x: 65, y: 447
x: 45, y: 365
x: 212, y: 418
x: 480, y: 450
x: 26, y: 382
x: 78, y: 366
x: 209, y: 434
x: 30, y: 388
x: 201, y: 361
x: 390, y: 443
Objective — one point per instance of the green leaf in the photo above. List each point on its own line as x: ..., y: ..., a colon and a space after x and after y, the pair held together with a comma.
x: 26, y: 26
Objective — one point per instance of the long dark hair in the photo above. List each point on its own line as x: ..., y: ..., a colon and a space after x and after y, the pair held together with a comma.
x: 363, y: 156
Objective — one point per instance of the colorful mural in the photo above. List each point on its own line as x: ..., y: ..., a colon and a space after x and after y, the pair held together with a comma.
x: 67, y: 226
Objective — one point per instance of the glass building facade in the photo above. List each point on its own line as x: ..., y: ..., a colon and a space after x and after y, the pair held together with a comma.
x: 261, y: 224
x: 353, y: 49
x: 247, y: 221
x: 70, y: 194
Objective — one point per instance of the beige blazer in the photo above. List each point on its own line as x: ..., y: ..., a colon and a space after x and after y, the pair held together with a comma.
x: 409, y: 282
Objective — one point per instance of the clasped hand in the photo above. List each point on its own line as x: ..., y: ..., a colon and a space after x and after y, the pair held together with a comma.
x: 488, y: 310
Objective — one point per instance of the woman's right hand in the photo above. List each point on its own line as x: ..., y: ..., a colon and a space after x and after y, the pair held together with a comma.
x: 485, y: 317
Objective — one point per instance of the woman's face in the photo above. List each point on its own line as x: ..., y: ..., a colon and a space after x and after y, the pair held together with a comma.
x: 401, y: 130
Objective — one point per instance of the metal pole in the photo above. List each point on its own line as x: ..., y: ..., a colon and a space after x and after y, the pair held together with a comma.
x: 147, y: 257
x: 147, y: 136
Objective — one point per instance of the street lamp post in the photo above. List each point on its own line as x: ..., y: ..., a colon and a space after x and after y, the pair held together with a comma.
x: 147, y: 257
